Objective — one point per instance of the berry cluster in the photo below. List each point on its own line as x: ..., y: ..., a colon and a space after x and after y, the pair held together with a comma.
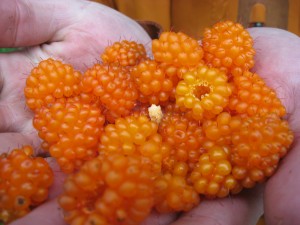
x: 216, y: 128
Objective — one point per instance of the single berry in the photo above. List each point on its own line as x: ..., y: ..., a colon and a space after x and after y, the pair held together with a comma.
x: 177, y: 48
x: 153, y: 85
x: 49, y: 81
x: 135, y: 135
x: 257, y: 146
x: 204, y: 92
x: 124, y: 53
x: 185, y: 137
x: 211, y: 176
x: 113, y: 86
x: 173, y: 194
x: 111, y: 190
x: 24, y: 183
x: 253, y: 97
x: 71, y: 132
x: 229, y: 47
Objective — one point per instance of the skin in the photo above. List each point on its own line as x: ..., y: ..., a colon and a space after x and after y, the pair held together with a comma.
x: 76, y: 32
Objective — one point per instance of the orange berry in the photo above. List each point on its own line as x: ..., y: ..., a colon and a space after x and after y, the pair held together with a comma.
x: 173, y: 194
x: 205, y: 92
x: 252, y: 96
x: 113, y: 86
x: 229, y: 47
x: 135, y: 136
x: 49, y: 81
x: 110, y: 189
x: 154, y: 87
x: 71, y: 132
x: 211, y: 176
x: 184, y: 135
x: 177, y: 48
x: 257, y: 146
x: 124, y: 53
x: 219, y: 129
x: 24, y: 183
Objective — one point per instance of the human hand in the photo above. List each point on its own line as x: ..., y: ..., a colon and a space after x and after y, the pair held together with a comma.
x: 233, y: 210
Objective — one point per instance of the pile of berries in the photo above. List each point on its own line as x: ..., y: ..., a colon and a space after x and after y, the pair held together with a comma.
x: 137, y: 133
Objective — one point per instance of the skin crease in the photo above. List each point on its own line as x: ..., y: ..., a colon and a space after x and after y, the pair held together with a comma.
x: 77, y: 32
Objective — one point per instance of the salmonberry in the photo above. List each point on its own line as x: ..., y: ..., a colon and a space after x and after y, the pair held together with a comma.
x: 176, y: 53
x: 124, y: 53
x: 205, y: 92
x: 177, y: 48
x: 219, y: 129
x: 185, y: 137
x: 257, y: 146
x: 211, y: 176
x: 229, y: 47
x: 113, y: 86
x: 71, y: 132
x: 135, y: 136
x: 49, y: 81
x: 173, y: 194
x: 24, y: 183
x: 109, y: 190
x: 252, y: 96
x: 153, y: 85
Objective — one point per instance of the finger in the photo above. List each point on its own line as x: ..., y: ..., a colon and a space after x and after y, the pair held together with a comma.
x: 245, y: 208
x: 31, y: 22
x: 47, y: 214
